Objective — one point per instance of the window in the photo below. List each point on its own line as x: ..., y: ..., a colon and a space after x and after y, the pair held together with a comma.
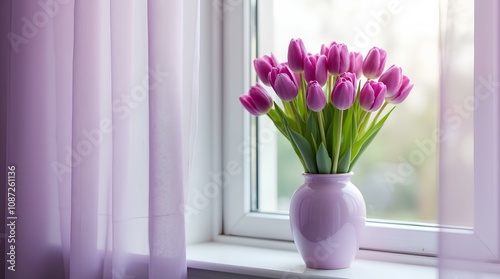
x: 405, y: 222
x: 398, y: 173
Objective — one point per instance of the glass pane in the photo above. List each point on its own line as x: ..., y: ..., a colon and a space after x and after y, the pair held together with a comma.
x: 398, y: 172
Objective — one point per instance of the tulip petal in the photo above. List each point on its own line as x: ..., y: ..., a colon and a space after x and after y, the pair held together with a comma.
x: 296, y: 55
x: 315, y: 99
x: 321, y: 72
x: 366, y: 97
x: 285, y: 88
x: 249, y: 105
x: 392, y: 78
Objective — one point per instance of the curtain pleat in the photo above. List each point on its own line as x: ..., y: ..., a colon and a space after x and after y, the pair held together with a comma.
x: 166, y: 195
x: 91, y: 138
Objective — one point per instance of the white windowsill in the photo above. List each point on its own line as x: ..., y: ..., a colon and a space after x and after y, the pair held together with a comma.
x: 282, y: 263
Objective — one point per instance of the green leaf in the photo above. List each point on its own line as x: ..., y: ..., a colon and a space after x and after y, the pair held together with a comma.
x: 289, y: 138
x: 346, y: 130
x: 330, y: 132
x: 368, y: 134
x: 273, y: 115
x: 312, y: 141
x: 312, y: 126
x: 323, y: 161
x: 288, y: 108
x: 287, y: 120
x: 362, y: 149
x: 349, y: 132
x: 360, y: 146
x: 329, y: 113
x: 299, y: 101
x: 344, y: 162
x: 305, y: 150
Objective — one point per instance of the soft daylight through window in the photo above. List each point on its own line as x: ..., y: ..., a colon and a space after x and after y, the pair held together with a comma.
x: 398, y: 173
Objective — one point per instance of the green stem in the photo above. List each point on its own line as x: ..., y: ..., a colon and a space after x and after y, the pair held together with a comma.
x: 297, y: 117
x: 363, y: 121
x: 378, y: 114
x: 321, y: 127
x: 300, y: 97
x: 303, y: 85
x: 329, y: 88
x: 337, y: 143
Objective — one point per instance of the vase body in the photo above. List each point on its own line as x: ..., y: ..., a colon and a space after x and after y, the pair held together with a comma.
x: 327, y: 218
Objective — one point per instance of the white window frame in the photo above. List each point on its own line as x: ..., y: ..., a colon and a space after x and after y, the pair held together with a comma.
x: 239, y: 220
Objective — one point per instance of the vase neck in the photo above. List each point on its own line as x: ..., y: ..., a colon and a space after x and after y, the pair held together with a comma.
x: 327, y: 178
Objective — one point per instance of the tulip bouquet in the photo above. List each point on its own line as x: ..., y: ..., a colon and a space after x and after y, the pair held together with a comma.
x: 327, y: 114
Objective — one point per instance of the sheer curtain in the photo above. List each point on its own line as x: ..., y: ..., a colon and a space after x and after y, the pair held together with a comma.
x: 466, y: 157
x: 100, y: 117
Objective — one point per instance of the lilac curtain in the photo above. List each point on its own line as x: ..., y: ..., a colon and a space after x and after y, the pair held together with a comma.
x: 100, y: 120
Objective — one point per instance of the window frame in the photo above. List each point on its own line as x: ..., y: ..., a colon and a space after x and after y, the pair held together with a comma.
x: 238, y: 218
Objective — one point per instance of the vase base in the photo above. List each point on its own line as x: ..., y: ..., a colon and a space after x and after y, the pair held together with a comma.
x: 328, y: 268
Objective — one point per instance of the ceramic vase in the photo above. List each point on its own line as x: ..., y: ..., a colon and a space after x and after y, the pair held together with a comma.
x: 327, y: 217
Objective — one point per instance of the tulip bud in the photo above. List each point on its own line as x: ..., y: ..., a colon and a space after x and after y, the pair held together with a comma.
x: 315, y: 98
x: 249, y: 105
x: 374, y: 63
x: 263, y: 66
x: 351, y: 77
x: 324, y: 50
x: 321, y: 70
x: 310, y: 67
x: 257, y: 101
x: 392, y: 79
x: 371, y: 96
x: 296, y: 54
x: 315, y: 69
x: 338, y: 59
x: 355, y: 63
x: 284, y: 82
x: 404, y: 90
x: 344, y: 92
x: 285, y: 88
x: 282, y: 68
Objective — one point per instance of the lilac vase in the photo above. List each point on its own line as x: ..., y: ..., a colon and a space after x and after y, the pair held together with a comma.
x: 327, y: 216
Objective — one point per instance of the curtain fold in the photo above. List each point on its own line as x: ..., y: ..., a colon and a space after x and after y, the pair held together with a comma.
x: 166, y: 220
x: 101, y: 101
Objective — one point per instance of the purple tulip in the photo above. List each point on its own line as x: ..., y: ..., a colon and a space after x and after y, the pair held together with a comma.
x: 284, y: 82
x: 249, y: 105
x: 315, y: 69
x: 283, y: 69
x: 371, y: 96
x: 296, y: 54
x: 325, y: 50
x: 315, y: 98
x: 374, y: 63
x: 338, y: 59
x: 310, y: 67
x: 344, y: 92
x: 263, y: 66
x: 355, y: 63
x: 321, y: 70
x: 351, y: 77
x: 392, y: 78
x: 404, y: 90
x: 257, y: 101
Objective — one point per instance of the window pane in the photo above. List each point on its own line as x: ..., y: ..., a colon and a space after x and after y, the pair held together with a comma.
x: 398, y: 173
